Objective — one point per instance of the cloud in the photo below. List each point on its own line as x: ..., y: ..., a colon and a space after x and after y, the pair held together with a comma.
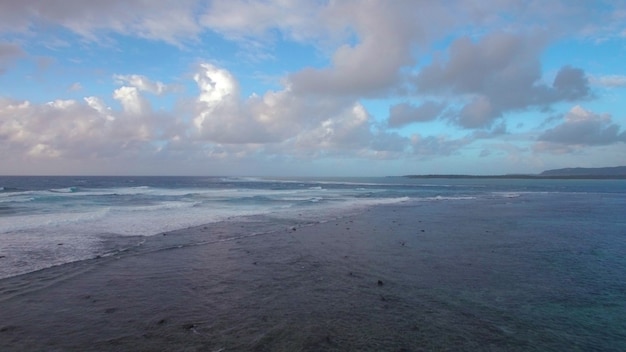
x: 223, y: 126
x: 132, y: 102
x: 75, y: 87
x: 286, y: 123
x: 429, y: 146
x: 580, y: 128
x: 405, y: 113
x: 290, y: 123
x: 48, y: 130
x: 172, y: 21
x: 372, y: 40
x: 570, y: 84
x: 365, y: 49
x: 143, y: 83
x: 384, y: 39
x: 474, y: 67
x: 478, y: 113
x: 349, y: 133
x: 241, y: 19
x: 221, y: 115
x: 483, y: 75
x: 609, y: 81
x: 87, y: 129
x: 8, y: 54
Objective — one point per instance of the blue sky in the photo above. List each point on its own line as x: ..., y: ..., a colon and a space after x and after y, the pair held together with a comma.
x: 319, y: 88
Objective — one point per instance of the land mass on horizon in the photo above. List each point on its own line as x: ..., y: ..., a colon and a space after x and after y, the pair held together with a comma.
x: 617, y: 172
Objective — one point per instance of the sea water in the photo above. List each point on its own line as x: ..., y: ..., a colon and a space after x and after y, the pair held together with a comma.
x: 47, y: 221
x: 451, y: 265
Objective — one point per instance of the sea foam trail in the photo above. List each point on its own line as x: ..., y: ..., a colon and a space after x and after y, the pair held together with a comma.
x: 47, y: 220
x: 55, y: 225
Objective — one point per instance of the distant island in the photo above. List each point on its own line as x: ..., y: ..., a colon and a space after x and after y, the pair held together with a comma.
x: 618, y: 172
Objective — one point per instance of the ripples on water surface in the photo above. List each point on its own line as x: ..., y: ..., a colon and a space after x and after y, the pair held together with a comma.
x: 467, y: 264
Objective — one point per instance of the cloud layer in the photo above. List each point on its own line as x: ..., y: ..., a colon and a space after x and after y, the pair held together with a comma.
x: 449, y: 77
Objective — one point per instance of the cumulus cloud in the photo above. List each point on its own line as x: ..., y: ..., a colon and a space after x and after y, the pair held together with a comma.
x: 51, y: 129
x: 372, y: 41
x: 82, y: 129
x: 348, y: 130
x: 143, y: 84
x: 499, y: 73
x: 221, y: 115
x: 224, y: 125
x: 472, y: 67
x: 367, y: 49
x: 570, y: 83
x: 405, y: 113
x: 132, y: 102
x: 385, y: 37
x: 296, y: 124
x: 581, y: 127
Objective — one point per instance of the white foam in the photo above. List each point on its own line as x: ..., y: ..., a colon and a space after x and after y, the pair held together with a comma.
x: 443, y: 198
x: 507, y: 194
x: 65, y: 190
x: 49, y: 221
x: 78, y: 217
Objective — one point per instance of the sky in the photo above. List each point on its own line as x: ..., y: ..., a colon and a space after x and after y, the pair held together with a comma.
x: 311, y: 88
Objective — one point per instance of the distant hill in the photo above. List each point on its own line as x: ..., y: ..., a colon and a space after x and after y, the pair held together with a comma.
x: 581, y: 171
x: 618, y: 172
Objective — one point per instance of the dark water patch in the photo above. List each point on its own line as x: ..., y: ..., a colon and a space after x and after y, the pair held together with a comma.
x: 8, y: 210
x: 529, y: 275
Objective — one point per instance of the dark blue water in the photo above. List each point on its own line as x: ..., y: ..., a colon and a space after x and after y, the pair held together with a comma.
x: 467, y: 264
x: 47, y: 221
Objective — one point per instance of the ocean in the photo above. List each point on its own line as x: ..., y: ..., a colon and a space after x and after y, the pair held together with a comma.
x: 47, y: 221
x: 461, y: 264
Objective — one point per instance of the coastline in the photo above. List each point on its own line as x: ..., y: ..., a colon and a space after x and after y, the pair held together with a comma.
x: 572, y: 173
x: 521, y: 177
x: 410, y: 277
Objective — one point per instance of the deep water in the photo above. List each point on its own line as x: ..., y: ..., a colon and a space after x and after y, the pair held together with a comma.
x: 456, y: 265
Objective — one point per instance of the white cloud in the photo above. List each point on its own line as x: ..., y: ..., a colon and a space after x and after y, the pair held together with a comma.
x: 98, y: 105
x: 286, y: 123
x: 75, y: 87
x: 132, y: 102
x: 143, y: 83
x: 366, y: 49
x: 346, y: 130
x: 580, y: 128
x: 609, y: 81
x: 222, y: 116
x: 79, y: 130
x: 53, y: 129
x: 216, y: 85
